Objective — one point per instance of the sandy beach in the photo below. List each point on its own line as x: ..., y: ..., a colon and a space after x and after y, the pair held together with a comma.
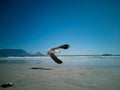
x: 50, y: 77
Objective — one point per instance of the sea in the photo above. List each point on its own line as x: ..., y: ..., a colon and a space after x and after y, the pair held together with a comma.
x: 68, y: 60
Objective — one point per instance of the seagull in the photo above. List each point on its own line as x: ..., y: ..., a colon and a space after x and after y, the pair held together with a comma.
x: 54, y: 50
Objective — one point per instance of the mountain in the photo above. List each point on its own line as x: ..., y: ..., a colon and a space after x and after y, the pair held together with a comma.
x: 16, y: 52
x: 13, y: 52
x: 107, y: 55
x: 38, y: 54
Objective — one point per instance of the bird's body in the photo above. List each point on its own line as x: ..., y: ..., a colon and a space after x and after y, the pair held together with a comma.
x: 52, y: 52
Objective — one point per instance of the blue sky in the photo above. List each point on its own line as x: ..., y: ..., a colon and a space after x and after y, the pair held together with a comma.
x: 89, y: 26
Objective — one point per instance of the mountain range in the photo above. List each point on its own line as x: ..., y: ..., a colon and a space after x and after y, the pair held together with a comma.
x: 17, y: 52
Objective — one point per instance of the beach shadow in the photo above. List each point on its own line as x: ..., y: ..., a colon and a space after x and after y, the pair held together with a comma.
x: 40, y: 68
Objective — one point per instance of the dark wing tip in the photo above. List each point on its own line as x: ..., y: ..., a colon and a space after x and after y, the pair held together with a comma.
x: 57, y: 60
x: 65, y: 46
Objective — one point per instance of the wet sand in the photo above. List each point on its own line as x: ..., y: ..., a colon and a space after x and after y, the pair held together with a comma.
x: 49, y: 77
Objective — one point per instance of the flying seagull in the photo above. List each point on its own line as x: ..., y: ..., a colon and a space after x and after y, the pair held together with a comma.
x: 52, y: 52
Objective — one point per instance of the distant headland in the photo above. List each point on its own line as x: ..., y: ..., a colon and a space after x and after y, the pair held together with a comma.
x: 107, y: 55
x: 17, y: 52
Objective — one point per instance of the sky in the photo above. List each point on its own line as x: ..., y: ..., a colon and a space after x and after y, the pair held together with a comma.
x: 88, y: 26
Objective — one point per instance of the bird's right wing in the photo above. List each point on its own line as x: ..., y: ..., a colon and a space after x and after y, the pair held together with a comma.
x: 65, y: 46
x: 54, y: 57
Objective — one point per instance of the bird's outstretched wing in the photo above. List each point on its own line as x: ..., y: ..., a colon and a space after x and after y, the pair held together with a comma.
x: 65, y: 46
x: 54, y: 57
x: 52, y: 52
